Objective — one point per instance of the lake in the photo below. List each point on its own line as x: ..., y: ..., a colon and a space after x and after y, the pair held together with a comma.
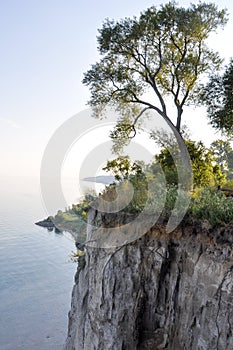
x: 36, y: 273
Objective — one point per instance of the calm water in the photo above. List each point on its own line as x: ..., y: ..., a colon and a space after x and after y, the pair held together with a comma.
x: 36, y: 274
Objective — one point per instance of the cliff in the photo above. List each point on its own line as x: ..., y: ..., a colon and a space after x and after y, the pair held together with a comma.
x: 160, y: 292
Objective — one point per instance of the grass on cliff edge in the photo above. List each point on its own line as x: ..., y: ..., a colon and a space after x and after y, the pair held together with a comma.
x: 206, y: 204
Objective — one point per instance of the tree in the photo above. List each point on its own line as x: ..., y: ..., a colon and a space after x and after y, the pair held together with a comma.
x: 205, y: 171
x: 223, y: 154
x: 123, y: 169
x: 128, y: 175
x: 218, y: 96
x: 163, y: 51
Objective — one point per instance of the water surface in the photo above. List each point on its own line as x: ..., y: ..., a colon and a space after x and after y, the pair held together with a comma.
x: 36, y: 274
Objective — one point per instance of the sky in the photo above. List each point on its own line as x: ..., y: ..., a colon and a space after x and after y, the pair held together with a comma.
x: 46, y: 46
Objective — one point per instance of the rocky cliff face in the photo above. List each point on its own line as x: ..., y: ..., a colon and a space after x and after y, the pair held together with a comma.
x: 162, y: 291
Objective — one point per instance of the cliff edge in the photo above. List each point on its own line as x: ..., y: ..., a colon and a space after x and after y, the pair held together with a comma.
x: 162, y: 291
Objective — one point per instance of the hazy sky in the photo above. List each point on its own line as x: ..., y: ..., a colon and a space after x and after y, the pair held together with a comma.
x: 46, y: 45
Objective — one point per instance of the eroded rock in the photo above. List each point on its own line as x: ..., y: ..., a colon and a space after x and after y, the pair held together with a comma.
x: 162, y: 291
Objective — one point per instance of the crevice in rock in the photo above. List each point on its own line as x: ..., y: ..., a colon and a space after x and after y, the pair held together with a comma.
x: 161, y: 292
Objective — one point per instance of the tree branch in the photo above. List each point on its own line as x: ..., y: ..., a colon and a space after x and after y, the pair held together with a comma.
x: 151, y: 80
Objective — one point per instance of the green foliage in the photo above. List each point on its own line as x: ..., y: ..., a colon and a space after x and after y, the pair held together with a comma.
x: 205, y: 171
x: 218, y: 96
x: 74, y: 219
x: 229, y: 184
x: 168, y: 166
x: 122, y: 168
x: 164, y: 51
x: 151, y: 194
x: 154, y: 196
x: 163, y: 201
x: 223, y: 153
x: 213, y: 206
x: 207, y: 204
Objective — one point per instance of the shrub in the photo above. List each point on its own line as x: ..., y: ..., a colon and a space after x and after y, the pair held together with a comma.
x: 212, y: 205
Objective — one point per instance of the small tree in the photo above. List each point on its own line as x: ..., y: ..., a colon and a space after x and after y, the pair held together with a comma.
x: 205, y: 171
x: 123, y: 169
x: 163, y: 51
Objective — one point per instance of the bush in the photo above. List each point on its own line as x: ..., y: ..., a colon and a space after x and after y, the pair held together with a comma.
x: 212, y: 205
x: 205, y: 203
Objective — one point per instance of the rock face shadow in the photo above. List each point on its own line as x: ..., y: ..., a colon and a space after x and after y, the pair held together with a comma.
x: 162, y: 291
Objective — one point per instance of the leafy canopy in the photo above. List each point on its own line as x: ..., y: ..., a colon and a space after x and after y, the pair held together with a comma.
x: 218, y: 96
x: 223, y: 154
x: 163, y: 51
x: 205, y: 166
x: 205, y: 170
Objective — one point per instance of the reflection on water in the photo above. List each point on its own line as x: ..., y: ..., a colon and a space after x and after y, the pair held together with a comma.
x: 36, y: 272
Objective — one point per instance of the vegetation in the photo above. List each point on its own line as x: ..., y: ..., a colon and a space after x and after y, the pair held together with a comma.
x: 209, y: 204
x: 136, y: 179
x: 218, y: 97
x: 74, y: 219
x: 223, y: 154
x: 206, y: 171
x: 206, y: 201
x: 163, y: 51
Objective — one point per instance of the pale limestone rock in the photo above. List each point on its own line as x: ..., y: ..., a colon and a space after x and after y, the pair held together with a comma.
x: 162, y: 291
